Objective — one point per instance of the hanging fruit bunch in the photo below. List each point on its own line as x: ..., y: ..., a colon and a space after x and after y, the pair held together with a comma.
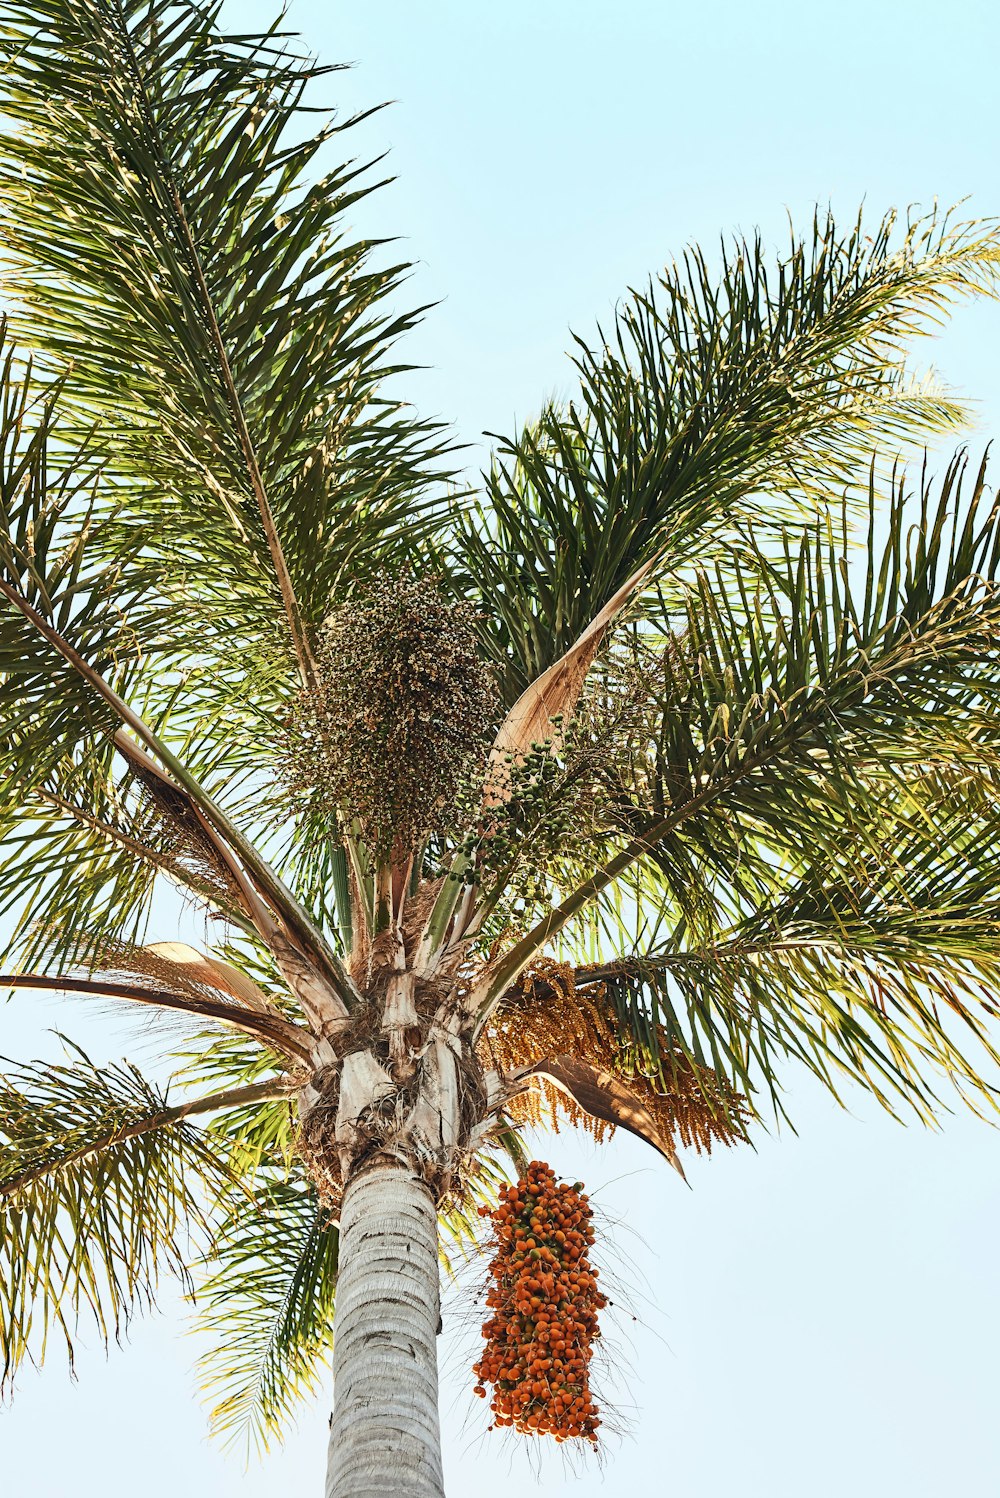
x: 544, y: 1298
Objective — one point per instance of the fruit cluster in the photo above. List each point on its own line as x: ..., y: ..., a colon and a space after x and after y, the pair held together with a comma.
x: 544, y: 1298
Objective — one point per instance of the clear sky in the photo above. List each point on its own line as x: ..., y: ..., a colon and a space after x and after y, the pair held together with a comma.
x: 820, y: 1316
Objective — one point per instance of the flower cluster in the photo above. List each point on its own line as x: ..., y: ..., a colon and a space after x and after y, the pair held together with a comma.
x: 396, y: 728
x: 545, y: 1300
x: 554, y: 1007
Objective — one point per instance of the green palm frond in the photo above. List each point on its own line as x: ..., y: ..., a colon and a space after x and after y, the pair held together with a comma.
x: 257, y: 1137
x: 802, y: 723
x: 722, y: 394
x: 221, y: 323
x: 48, y: 542
x: 65, y: 800
x: 268, y: 1304
x: 789, y: 716
x: 112, y: 833
x: 265, y: 1285
x: 86, y: 831
x: 752, y: 806
x: 66, y: 648
x: 100, y: 1183
x: 882, y: 970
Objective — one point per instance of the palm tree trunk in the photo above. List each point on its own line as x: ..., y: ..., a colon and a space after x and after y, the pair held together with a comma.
x: 385, y: 1440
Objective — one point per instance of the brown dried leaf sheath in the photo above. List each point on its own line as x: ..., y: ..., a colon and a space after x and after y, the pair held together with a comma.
x: 555, y: 694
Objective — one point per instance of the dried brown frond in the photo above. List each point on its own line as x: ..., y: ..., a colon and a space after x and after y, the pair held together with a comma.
x: 548, y: 1013
x: 155, y: 969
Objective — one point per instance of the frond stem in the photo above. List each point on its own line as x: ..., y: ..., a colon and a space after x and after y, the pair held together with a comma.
x: 289, y: 1038
x: 233, y: 1097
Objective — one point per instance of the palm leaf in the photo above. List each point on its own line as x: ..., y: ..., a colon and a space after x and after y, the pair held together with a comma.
x: 61, y: 628
x: 268, y: 1302
x: 836, y: 737
x: 99, y: 1186
x: 228, y: 334
x: 718, y: 397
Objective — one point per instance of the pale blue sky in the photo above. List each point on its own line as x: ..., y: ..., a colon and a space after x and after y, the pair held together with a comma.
x: 820, y: 1317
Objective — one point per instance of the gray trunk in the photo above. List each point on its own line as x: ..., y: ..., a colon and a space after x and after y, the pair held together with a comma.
x: 385, y: 1439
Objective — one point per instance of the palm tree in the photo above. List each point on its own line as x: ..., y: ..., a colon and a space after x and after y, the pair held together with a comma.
x: 606, y: 786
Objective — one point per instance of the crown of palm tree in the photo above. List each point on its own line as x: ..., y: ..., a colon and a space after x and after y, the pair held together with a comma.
x: 728, y: 795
